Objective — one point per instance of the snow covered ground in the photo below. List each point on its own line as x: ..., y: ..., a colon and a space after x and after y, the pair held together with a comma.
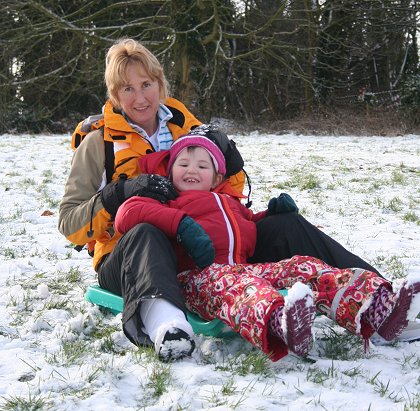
x: 59, y: 352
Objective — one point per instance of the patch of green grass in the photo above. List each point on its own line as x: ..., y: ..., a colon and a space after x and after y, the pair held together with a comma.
x: 159, y: 378
x: 108, y: 344
x: 217, y: 398
x: 96, y: 371
x: 395, y: 204
x: 377, y: 201
x: 410, y: 362
x: 309, y: 182
x: 144, y: 354
x: 60, y: 304
x: 23, y: 403
x: 254, y: 362
x: 384, y: 389
x: 103, y: 330
x: 9, y: 253
x: 302, y: 179
x: 13, y: 173
x: 319, y: 376
x: 18, y: 231
x: 23, y: 308
x: 71, y: 352
x: 49, y: 176
x: 398, y: 177
x: 229, y: 387
x: 49, y: 201
x: 338, y: 344
x: 413, y: 402
x: 376, y: 184
x: 64, y: 281
x: 411, y: 217
x: 48, y: 254
x: 12, y: 217
x: 74, y: 275
x: 393, y: 265
x: 27, y: 182
x: 354, y: 372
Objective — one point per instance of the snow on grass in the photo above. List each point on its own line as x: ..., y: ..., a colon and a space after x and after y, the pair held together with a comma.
x: 59, y: 352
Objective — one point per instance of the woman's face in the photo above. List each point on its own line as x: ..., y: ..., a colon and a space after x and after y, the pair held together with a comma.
x: 140, y: 98
x: 193, y: 169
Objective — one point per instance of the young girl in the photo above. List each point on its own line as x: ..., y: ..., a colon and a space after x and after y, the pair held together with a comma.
x: 245, y: 296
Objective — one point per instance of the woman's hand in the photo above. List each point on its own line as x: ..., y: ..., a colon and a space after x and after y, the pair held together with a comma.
x: 145, y: 185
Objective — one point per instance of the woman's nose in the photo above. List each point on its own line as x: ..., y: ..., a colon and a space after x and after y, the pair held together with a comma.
x: 139, y: 95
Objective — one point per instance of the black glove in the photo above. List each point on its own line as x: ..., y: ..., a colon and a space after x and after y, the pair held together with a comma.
x: 282, y: 204
x: 196, y: 242
x: 144, y: 185
x: 234, y: 160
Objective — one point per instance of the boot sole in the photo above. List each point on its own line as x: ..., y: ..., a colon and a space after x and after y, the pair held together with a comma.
x: 175, y: 346
x: 397, y: 321
x: 299, y: 319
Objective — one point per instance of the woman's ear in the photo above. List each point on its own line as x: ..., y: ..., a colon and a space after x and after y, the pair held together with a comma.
x: 217, y: 180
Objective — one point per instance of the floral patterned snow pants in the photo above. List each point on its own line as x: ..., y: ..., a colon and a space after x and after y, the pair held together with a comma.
x: 243, y: 296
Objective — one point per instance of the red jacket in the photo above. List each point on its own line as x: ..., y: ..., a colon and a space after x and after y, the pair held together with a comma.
x: 229, y: 224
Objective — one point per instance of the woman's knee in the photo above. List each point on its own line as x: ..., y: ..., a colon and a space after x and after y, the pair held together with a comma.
x: 145, y: 239
x: 144, y: 229
x: 279, y: 223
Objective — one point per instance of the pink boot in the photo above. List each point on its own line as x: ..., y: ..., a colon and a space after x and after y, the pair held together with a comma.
x: 293, y: 322
x: 390, y: 312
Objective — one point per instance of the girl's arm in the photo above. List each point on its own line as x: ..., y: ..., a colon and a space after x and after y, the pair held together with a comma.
x: 138, y: 210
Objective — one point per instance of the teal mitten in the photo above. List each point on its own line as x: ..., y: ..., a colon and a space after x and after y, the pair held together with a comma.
x: 196, y: 242
x: 282, y: 204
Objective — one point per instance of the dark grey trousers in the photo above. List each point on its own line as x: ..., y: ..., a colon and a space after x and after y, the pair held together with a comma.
x: 285, y: 235
x: 142, y: 265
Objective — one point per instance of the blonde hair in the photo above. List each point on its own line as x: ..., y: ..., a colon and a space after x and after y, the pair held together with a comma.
x: 127, y: 52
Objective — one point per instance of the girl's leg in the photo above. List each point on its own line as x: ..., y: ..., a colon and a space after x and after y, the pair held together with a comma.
x: 293, y: 322
x: 388, y: 313
x: 246, y: 303
x: 338, y: 293
x: 357, y: 299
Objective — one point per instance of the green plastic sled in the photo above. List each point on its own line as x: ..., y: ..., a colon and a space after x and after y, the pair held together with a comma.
x: 115, y: 304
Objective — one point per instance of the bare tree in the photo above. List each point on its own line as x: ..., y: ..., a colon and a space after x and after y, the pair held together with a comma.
x: 251, y: 59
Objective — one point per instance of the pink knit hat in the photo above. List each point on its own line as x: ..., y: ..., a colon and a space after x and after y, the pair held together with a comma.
x: 195, y: 140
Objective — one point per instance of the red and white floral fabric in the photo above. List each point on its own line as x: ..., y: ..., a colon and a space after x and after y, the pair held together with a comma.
x: 244, y: 295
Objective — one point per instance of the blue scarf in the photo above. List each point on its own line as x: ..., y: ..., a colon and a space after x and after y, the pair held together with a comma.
x: 164, y: 136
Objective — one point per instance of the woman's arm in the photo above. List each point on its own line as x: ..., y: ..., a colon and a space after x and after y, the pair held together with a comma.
x: 81, y: 211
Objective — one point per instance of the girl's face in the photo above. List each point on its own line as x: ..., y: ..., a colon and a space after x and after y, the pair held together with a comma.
x: 193, y: 169
x: 140, y: 98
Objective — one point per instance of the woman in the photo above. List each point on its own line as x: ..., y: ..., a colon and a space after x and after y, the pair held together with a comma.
x: 139, y: 119
x: 140, y: 266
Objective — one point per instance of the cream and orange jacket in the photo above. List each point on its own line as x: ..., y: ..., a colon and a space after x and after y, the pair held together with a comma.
x: 82, y: 217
